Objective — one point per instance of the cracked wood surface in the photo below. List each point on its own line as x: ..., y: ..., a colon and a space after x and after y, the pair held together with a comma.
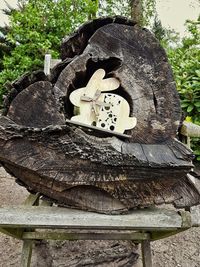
x: 71, y: 167
x: 144, y: 74
x: 84, y: 168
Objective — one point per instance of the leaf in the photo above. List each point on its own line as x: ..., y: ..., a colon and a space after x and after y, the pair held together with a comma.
x: 197, y: 104
x: 197, y: 72
x: 184, y: 105
x: 188, y: 119
x: 190, y: 108
x: 185, y: 101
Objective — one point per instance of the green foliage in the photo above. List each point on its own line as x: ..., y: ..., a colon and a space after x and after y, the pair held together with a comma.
x: 185, y: 61
x: 166, y: 37
x: 114, y: 7
x: 123, y: 8
x: 196, y: 148
x: 37, y: 28
x: 5, y: 46
x: 157, y: 29
x: 184, y: 57
x: 149, y: 11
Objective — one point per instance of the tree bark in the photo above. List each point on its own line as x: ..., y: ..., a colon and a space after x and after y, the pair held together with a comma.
x: 94, y: 170
x: 91, y: 169
x: 137, y: 11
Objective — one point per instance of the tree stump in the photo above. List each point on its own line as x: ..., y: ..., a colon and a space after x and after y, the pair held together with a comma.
x: 92, y: 169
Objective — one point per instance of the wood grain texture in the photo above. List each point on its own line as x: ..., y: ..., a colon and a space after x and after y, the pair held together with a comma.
x: 45, y: 217
x: 146, y: 253
x: 39, y: 110
x: 144, y: 74
x: 54, y: 161
x: 20, y: 84
x: 85, y: 168
x: 49, y: 235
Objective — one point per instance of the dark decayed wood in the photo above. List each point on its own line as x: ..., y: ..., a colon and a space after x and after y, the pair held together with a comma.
x: 85, y: 168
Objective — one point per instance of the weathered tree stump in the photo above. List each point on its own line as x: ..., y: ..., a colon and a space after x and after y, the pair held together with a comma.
x: 91, y: 169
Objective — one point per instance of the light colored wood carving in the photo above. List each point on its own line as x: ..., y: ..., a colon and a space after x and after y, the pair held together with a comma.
x: 104, y: 110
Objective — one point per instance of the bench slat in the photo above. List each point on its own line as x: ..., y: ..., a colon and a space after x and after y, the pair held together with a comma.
x: 54, y: 217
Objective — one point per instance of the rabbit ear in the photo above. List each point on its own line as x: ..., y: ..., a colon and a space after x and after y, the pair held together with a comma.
x: 97, y: 81
x: 96, y: 78
x: 109, y: 84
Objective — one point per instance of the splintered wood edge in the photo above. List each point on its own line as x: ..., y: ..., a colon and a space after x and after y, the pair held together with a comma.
x: 94, y: 128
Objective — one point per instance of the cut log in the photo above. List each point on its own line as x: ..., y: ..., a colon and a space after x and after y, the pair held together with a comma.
x: 143, y: 71
x: 96, y: 170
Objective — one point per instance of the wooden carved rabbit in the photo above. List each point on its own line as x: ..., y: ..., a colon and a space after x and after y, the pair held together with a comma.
x: 104, y: 110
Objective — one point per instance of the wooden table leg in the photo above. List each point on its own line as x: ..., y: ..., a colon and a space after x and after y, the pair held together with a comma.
x: 26, y: 253
x: 146, y: 253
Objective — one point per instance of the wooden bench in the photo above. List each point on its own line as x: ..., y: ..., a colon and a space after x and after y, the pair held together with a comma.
x: 30, y: 222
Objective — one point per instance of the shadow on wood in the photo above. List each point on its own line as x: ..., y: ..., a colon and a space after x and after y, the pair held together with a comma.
x: 95, y: 170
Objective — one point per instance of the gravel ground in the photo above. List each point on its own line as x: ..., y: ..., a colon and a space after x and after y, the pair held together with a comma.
x: 181, y: 250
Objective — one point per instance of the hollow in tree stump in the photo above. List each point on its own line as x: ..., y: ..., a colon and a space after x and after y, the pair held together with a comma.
x: 97, y: 168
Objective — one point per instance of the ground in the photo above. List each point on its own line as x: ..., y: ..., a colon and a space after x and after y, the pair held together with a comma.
x: 181, y: 250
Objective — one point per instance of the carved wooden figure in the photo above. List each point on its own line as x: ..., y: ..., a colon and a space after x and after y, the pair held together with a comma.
x: 107, y: 111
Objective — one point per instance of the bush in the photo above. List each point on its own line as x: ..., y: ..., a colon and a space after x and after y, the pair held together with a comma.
x: 37, y: 28
x: 185, y: 61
